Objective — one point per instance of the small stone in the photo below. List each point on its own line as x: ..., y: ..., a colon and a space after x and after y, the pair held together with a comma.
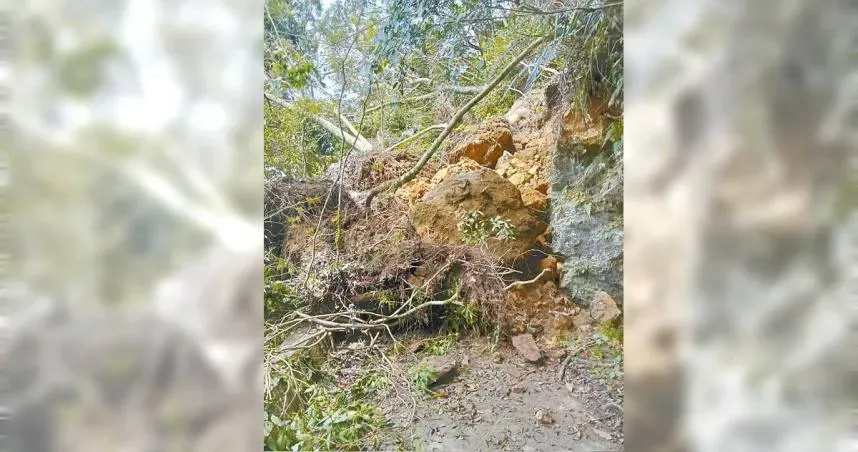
x: 518, y: 179
x: 549, y: 263
x: 545, y: 417
x: 526, y: 347
x: 533, y: 171
x: 497, y: 358
x: 570, y: 387
x: 442, y: 174
x: 605, y: 435
x: 534, y: 199
x: 603, y: 308
x: 562, y: 322
x: 517, y: 389
x: 503, y: 164
x: 443, y: 369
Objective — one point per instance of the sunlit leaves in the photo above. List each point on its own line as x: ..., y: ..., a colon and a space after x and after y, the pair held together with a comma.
x: 294, y: 143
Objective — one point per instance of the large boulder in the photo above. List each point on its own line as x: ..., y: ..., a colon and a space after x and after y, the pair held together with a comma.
x: 436, y: 216
x: 486, y: 144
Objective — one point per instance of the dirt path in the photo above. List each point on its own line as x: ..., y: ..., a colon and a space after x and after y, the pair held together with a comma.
x: 500, y: 402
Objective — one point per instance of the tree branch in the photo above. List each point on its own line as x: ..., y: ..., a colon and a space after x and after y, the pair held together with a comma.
x: 410, y: 174
x: 451, y: 88
x: 354, y: 130
x: 412, y: 137
x: 401, y: 101
x: 361, y: 143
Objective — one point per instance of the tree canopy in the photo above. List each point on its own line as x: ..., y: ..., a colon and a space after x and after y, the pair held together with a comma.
x: 375, y: 73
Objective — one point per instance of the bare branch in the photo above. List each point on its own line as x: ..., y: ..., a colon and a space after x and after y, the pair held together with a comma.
x: 355, y: 131
x: 524, y: 283
x: 383, y: 322
x: 401, y: 101
x: 361, y: 143
x: 413, y: 137
x: 440, y: 89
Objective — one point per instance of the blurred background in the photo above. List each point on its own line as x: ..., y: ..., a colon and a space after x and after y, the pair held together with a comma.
x: 135, y: 204
x: 740, y: 225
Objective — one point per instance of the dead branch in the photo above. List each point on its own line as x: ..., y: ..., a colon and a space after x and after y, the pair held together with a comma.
x: 360, y: 143
x: 416, y: 135
x: 401, y: 101
x: 456, y: 89
x: 382, y: 322
x: 352, y: 128
x: 524, y: 283
x: 396, y: 183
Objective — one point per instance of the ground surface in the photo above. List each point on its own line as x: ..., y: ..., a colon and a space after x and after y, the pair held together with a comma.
x: 497, y: 402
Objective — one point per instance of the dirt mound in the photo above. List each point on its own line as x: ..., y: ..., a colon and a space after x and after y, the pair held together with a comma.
x: 290, y: 202
x: 541, y: 309
x: 438, y: 215
x: 368, y: 170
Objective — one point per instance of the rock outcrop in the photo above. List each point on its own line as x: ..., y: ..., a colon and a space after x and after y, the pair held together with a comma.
x: 563, y: 166
x: 586, y: 217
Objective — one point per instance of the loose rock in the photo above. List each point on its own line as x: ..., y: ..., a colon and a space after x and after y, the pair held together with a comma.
x: 603, y: 308
x: 486, y: 144
x: 526, y: 347
x: 545, y: 417
x: 443, y: 369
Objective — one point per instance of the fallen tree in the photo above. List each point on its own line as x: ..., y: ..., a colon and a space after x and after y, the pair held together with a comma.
x: 457, y: 118
x: 363, y: 145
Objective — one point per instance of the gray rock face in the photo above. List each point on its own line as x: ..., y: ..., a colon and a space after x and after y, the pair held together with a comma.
x: 592, y: 251
x: 591, y: 242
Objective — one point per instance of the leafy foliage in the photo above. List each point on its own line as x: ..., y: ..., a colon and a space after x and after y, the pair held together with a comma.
x: 332, y: 419
x: 278, y: 295
x: 419, y: 60
x: 439, y: 346
x: 422, y: 377
x: 476, y: 229
x: 293, y: 143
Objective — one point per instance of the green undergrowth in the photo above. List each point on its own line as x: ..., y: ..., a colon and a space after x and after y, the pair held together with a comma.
x: 322, y: 415
x: 305, y: 409
x: 606, y: 348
